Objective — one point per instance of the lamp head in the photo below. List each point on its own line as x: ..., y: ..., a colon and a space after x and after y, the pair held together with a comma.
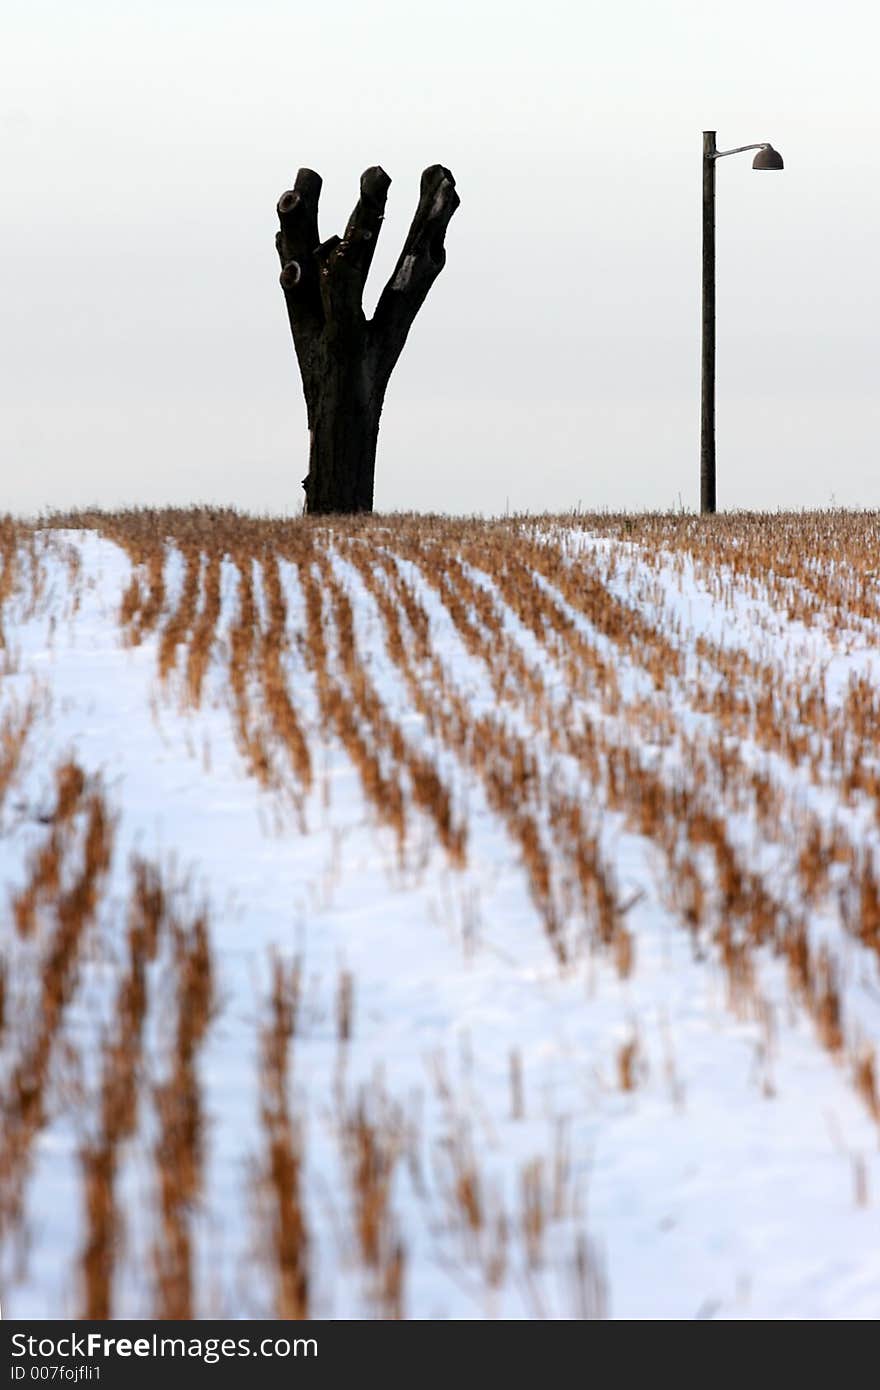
x: 768, y: 158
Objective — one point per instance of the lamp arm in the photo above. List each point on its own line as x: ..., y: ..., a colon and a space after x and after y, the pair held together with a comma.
x: 719, y: 154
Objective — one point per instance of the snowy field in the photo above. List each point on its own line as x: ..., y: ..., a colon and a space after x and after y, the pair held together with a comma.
x: 440, y: 919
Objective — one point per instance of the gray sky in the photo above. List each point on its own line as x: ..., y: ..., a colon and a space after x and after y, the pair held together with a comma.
x: 145, y: 352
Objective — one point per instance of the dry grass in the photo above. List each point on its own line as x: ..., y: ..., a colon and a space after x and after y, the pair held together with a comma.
x: 374, y: 1140
x: 594, y: 703
x: 58, y: 906
x: 522, y: 605
x: 16, y: 726
x: 121, y: 1089
x: 280, y: 1176
x: 179, y: 1148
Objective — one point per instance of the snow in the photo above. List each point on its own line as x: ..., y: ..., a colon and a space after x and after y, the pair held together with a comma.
x: 740, y: 1178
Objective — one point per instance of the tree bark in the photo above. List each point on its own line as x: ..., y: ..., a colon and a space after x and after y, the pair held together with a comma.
x: 346, y: 361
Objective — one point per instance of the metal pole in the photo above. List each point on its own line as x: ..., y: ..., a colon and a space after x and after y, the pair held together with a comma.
x: 707, y: 406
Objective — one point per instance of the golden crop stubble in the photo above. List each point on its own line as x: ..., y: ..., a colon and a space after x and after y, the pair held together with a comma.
x: 343, y: 713
x: 280, y: 1174
x: 180, y: 623
x: 15, y: 728
x: 179, y: 1149
x: 69, y: 912
x: 282, y: 711
x: 373, y: 1141
x: 202, y: 637
x: 121, y: 1050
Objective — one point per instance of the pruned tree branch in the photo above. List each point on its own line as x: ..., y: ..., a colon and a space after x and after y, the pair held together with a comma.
x: 295, y: 242
x: 420, y: 262
x: 365, y: 223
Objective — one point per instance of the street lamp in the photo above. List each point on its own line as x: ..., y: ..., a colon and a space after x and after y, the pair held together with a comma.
x: 766, y: 158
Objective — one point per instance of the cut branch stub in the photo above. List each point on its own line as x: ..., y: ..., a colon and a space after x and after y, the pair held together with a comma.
x: 298, y: 213
x: 345, y: 361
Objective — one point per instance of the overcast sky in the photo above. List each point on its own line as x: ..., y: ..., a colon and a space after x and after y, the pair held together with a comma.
x: 145, y: 352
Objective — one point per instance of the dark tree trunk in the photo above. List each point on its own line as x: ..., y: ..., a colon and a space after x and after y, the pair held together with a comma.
x: 345, y: 361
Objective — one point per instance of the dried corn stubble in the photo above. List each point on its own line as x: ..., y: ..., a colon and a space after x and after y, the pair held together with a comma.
x: 585, y: 617
x: 179, y: 1149
x: 120, y: 1092
x: 62, y: 896
x: 287, y: 1241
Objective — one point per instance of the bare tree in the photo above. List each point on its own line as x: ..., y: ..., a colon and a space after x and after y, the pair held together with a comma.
x: 344, y: 359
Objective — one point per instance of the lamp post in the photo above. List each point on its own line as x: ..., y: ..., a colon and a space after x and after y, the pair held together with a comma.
x: 766, y: 158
